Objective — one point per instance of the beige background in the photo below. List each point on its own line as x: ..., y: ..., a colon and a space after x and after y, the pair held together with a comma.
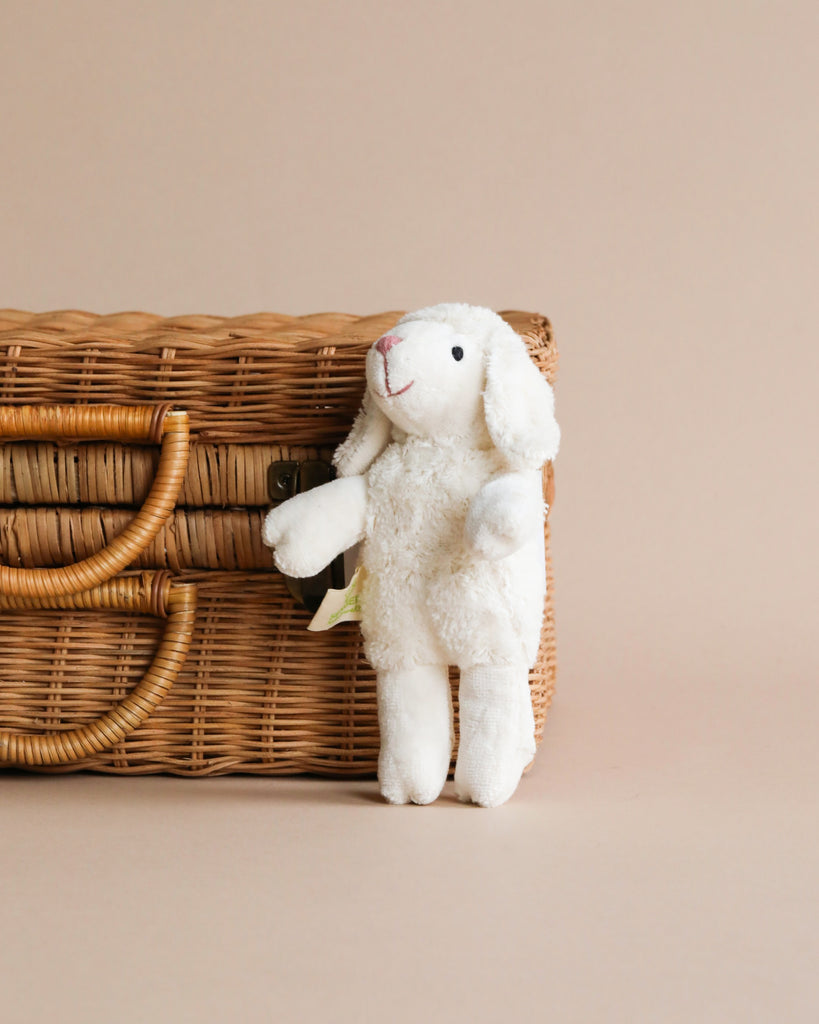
x: 646, y: 174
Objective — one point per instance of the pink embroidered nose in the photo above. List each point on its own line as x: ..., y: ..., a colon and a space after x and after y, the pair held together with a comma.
x: 383, y: 345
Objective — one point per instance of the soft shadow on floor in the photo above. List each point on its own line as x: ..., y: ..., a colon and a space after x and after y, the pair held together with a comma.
x: 17, y: 786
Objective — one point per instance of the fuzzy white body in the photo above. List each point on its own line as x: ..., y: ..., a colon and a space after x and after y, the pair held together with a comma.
x: 428, y: 596
x: 441, y: 479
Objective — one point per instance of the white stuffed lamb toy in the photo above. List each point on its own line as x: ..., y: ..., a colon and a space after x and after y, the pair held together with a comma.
x: 440, y: 478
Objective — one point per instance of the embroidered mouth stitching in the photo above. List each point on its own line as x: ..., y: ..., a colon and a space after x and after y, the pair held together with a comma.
x: 390, y: 393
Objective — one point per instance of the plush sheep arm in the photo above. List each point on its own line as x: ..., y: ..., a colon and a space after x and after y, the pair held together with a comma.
x: 309, y: 530
x: 505, y: 514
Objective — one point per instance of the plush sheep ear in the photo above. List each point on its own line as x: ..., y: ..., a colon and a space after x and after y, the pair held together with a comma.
x: 518, y: 403
x: 368, y: 437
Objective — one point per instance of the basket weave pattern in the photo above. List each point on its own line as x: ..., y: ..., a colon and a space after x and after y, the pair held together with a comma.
x: 255, y: 692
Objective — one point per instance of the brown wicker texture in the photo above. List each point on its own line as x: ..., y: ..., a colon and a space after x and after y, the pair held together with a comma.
x: 263, y: 378
x: 102, y: 421
x: 151, y: 595
x: 218, y: 476
x: 256, y: 692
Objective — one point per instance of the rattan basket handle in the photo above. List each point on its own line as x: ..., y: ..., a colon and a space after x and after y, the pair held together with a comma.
x: 150, y: 594
x: 113, y: 423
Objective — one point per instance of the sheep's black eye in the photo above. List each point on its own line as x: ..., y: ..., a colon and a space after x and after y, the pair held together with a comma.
x: 457, y: 353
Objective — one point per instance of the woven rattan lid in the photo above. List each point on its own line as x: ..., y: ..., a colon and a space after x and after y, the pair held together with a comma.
x: 261, y: 377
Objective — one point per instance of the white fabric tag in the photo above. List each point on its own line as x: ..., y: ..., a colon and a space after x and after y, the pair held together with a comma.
x: 339, y: 605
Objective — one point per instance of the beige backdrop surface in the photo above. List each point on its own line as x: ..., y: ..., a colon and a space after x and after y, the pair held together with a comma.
x: 645, y: 174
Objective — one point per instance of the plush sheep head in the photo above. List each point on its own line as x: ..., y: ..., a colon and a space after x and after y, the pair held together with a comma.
x: 453, y: 372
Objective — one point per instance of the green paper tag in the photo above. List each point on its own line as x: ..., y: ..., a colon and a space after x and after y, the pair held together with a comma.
x: 340, y: 605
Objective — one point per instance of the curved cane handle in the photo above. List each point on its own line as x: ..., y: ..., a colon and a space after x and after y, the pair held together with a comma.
x: 150, y: 594
x: 102, y: 422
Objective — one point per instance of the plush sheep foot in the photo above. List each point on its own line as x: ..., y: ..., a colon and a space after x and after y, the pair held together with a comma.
x: 415, y: 718
x: 497, y: 733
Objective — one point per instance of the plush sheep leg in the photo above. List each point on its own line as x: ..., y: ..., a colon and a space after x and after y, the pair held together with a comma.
x: 415, y: 718
x: 497, y: 732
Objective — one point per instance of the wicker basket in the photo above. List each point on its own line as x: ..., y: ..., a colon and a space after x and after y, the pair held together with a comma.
x: 144, y: 627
